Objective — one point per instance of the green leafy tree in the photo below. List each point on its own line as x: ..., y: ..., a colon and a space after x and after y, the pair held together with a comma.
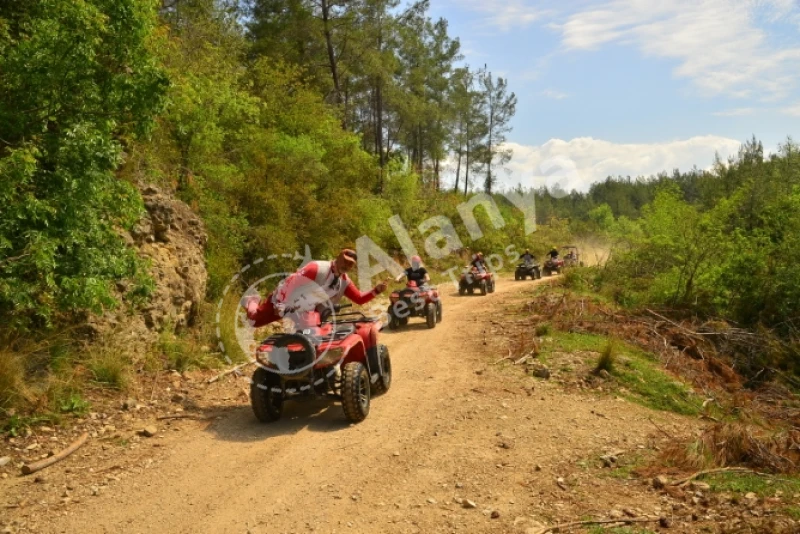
x: 78, y: 82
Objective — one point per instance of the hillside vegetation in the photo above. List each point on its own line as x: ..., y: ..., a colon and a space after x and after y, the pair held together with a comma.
x: 294, y: 124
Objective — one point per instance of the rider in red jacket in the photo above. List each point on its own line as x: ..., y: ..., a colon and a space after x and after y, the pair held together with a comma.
x: 314, y: 285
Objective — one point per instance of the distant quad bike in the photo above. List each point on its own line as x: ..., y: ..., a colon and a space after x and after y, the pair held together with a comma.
x: 553, y: 265
x: 341, y: 360
x: 571, y: 256
x: 474, y: 279
x: 414, y: 301
x: 528, y: 268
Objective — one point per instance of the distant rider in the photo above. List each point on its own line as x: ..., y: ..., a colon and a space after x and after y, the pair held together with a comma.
x: 416, y: 273
x: 479, y: 263
x: 313, y: 286
x: 553, y: 253
x: 528, y: 257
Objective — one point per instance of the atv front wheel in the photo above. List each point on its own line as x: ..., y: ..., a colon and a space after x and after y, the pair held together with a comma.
x: 430, y: 315
x: 517, y: 276
x: 491, y: 287
x: 483, y: 287
x: 439, y: 311
x: 355, y: 392
x: 267, y: 404
x: 462, y: 290
x: 385, y: 378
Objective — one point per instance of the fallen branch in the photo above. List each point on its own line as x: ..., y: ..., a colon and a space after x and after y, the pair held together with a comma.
x: 184, y: 416
x: 596, y: 522
x: 522, y: 360
x: 671, y: 322
x: 230, y: 371
x: 682, y: 482
x: 670, y: 436
x: 27, y: 469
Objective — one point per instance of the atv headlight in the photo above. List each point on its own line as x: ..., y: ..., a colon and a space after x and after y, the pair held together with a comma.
x: 331, y: 356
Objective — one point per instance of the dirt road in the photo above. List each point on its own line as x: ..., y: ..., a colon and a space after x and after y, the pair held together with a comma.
x: 452, y: 427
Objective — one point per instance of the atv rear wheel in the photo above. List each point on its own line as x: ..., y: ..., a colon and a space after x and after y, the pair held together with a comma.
x: 517, y: 276
x: 394, y: 322
x: 403, y: 321
x: 462, y: 290
x: 267, y: 404
x: 385, y: 379
x: 355, y: 392
x: 430, y: 315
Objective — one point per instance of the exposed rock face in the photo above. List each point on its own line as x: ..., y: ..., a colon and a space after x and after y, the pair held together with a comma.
x: 173, y: 239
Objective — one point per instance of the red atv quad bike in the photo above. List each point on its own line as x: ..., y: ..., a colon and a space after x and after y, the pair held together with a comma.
x: 553, y: 265
x: 414, y: 301
x: 474, y: 279
x: 338, y: 359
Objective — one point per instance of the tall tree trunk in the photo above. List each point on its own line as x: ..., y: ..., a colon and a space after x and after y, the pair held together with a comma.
x: 331, y: 54
x: 466, y: 171
x: 458, y: 168
x: 489, y: 153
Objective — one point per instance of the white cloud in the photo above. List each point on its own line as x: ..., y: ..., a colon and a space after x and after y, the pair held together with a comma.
x: 578, y: 163
x: 719, y: 44
x: 737, y: 112
x: 794, y: 110
x: 555, y: 95
x: 505, y: 14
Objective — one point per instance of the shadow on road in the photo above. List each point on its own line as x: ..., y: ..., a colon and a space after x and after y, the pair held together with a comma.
x: 419, y: 324
x: 239, y: 424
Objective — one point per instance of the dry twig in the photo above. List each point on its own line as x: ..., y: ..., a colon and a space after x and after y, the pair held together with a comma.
x: 230, y: 371
x: 555, y: 528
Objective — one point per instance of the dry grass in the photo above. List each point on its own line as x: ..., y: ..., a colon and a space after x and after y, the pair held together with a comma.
x: 608, y: 358
x: 737, y: 445
x: 13, y: 388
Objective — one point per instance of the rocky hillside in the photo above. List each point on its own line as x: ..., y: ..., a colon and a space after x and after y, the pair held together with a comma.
x: 173, y: 238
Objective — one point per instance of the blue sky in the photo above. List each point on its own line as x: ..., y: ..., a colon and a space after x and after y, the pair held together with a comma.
x: 633, y: 87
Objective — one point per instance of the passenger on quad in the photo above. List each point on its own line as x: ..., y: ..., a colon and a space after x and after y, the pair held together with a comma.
x: 479, y: 263
x: 316, y: 286
x: 416, y: 273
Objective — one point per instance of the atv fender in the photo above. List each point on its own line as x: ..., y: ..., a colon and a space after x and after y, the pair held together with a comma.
x: 353, y: 348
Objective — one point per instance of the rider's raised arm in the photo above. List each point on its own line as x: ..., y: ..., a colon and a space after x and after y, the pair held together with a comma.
x: 354, y: 294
